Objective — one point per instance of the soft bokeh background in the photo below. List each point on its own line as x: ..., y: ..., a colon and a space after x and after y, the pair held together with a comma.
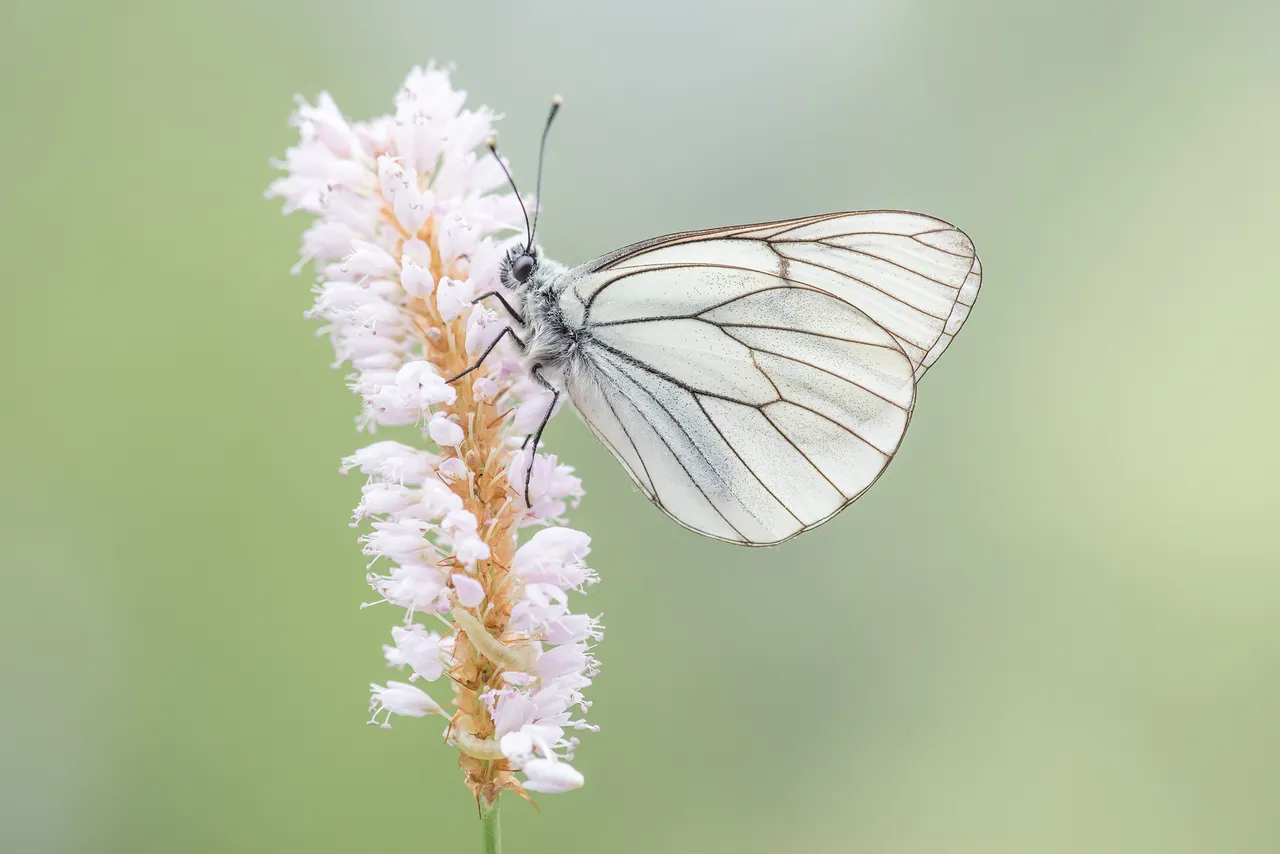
x: 1052, y: 627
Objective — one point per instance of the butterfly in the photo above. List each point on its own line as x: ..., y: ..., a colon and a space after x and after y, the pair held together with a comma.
x: 753, y: 380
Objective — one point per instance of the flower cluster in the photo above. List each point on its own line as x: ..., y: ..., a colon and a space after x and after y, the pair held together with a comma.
x: 410, y: 228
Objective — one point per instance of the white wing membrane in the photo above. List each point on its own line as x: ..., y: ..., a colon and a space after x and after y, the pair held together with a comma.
x: 756, y: 380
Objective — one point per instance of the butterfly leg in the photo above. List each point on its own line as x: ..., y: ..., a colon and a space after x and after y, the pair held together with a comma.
x: 511, y: 311
x: 537, y: 435
x: 506, y: 330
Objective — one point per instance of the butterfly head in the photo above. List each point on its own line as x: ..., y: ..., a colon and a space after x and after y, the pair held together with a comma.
x: 518, y: 267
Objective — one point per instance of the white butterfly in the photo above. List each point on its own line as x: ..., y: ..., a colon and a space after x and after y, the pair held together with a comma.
x: 753, y: 380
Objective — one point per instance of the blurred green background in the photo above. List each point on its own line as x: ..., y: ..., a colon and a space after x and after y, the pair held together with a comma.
x: 1053, y: 626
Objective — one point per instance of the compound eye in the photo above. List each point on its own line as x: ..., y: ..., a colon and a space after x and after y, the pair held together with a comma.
x: 522, y: 268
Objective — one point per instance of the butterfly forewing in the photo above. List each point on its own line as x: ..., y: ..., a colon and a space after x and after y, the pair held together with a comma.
x: 755, y: 380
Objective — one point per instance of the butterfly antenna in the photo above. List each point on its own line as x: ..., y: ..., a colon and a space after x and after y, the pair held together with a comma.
x: 528, y: 231
x: 542, y: 149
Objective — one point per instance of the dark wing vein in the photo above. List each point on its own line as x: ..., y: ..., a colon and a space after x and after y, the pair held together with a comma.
x: 849, y: 429
x: 726, y: 326
x: 604, y: 262
x: 916, y: 237
x: 888, y: 455
x: 824, y: 218
x: 745, y: 464
x: 765, y: 412
x: 653, y: 486
x: 888, y: 261
x: 757, y: 349
x: 667, y: 445
x: 634, y: 362
x: 631, y: 360
x: 854, y: 278
x: 684, y: 265
x: 826, y: 241
x: 792, y: 283
x: 611, y: 259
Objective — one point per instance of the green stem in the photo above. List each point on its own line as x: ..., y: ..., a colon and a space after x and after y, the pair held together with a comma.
x: 492, y: 830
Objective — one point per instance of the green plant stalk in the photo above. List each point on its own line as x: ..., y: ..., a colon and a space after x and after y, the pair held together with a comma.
x: 491, y: 828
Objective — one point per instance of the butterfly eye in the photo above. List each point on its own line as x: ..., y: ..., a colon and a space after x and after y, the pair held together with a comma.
x: 522, y: 268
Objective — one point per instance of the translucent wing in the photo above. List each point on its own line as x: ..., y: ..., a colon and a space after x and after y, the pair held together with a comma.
x: 755, y: 380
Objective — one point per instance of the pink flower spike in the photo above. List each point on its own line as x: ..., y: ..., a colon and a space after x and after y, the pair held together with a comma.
x: 411, y: 219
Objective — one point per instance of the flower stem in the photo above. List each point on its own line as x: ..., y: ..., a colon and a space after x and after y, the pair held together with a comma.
x: 492, y: 830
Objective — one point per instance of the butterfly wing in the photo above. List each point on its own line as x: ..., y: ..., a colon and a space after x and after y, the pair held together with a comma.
x: 755, y: 380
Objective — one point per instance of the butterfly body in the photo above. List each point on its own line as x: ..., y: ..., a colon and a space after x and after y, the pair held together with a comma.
x: 552, y: 337
x: 753, y: 380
